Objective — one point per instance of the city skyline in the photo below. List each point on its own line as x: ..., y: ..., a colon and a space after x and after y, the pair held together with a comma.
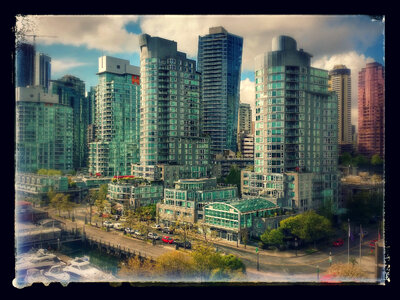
x: 75, y: 42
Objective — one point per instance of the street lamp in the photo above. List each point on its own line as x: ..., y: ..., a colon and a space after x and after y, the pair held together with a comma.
x: 295, y: 244
x: 330, y: 258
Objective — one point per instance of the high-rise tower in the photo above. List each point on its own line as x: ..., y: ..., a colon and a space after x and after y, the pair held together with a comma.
x: 340, y: 82
x: 42, y: 70
x: 170, y: 110
x: 295, y: 129
x: 220, y: 60
x: 117, y: 118
x: 25, y: 64
x: 71, y: 92
x: 371, y: 106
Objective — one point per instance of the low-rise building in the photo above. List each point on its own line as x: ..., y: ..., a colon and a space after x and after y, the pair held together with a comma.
x: 230, y: 217
x: 135, y: 192
x: 171, y: 173
x: 185, y: 202
x: 35, y: 186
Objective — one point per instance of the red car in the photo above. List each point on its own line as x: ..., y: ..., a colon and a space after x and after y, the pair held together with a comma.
x: 167, y: 239
x: 338, y: 243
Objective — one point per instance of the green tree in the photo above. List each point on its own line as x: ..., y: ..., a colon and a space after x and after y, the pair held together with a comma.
x: 244, y: 236
x: 363, y: 206
x: 327, y: 210
x: 90, y: 199
x: 376, y: 160
x: 234, y: 177
x: 57, y: 202
x: 67, y: 205
x: 308, y: 226
x: 346, y: 159
x: 273, y: 237
x: 50, y: 172
x: 175, y: 265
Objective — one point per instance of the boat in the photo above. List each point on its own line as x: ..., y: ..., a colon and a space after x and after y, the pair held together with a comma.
x: 41, y: 259
x: 57, y: 274
x: 35, y: 275
x: 80, y: 269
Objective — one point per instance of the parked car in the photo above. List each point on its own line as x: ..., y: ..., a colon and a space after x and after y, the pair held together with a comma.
x: 167, y: 239
x: 153, y: 236
x: 129, y: 230
x: 167, y: 230
x: 118, y: 226
x: 156, y: 226
x: 108, y: 224
x: 138, y: 233
x: 338, y: 243
x: 183, y: 244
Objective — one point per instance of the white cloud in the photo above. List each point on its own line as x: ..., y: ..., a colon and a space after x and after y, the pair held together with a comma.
x: 95, y: 32
x: 318, y: 35
x: 62, y: 65
x: 353, y: 61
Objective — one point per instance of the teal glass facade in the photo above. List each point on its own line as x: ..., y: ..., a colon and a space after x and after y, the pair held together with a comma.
x: 170, y: 107
x: 220, y: 60
x: 71, y: 92
x: 44, y: 138
x: 296, y: 122
x: 117, y: 121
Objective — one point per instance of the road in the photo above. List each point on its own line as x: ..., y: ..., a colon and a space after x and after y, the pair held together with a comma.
x: 282, y: 266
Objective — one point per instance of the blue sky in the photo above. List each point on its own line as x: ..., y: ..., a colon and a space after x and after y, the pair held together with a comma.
x: 79, y: 40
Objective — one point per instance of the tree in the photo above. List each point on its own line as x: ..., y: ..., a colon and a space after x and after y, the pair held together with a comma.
x: 175, y: 265
x: 308, y: 226
x: 136, y: 267
x: 67, y: 205
x: 90, y: 199
x: 234, y: 177
x: 376, y: 160
x: 364, y: 206
x: 346, y: 159
x: 273, y: 237
x: 244, y: 236
x: 57, y: 202
x: 50, y: 172
x: 327, y: 210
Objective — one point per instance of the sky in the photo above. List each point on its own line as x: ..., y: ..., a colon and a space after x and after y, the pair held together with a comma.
x: 75, y: 43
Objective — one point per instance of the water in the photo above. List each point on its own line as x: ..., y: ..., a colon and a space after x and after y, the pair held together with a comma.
x: 101, y: 260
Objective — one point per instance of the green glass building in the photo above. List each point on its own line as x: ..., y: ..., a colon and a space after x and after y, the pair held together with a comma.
x: 44, y: 138
x: 231, y: 217
x: 71, y: 92
x: 296, y: 125
x: 186, y: 200
x: 117, y: 118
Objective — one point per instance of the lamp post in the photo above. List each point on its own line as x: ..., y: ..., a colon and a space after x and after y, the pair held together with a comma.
x: 330, y: 258
x: 317, y: 273
x: 295, y: 244
x: 258, y: 263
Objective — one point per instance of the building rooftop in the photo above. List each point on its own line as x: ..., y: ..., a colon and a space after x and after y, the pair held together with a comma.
x: 252, y: 204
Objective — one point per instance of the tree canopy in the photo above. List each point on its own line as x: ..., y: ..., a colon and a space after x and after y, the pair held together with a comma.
x: 50, y: 172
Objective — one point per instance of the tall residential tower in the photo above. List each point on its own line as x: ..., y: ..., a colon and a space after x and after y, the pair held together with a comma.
x: 295, y: 130
x: 340, y: 82
x: 371, y: 110
x: 220, y: 60
x: 170, y: 108
x: 117, y: 118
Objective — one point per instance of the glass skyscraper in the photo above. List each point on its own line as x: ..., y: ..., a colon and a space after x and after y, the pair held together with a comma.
x: 44, y: 138
x: 25, y: 64
x: 117, y: 118
x: 71, y: 92
x: 219, y: 62
x: 42, y: 70
x: 170, y: 106
x: 295, y: 128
